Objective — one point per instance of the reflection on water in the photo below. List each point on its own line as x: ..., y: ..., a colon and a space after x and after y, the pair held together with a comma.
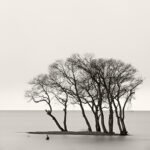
x: 14, y: 124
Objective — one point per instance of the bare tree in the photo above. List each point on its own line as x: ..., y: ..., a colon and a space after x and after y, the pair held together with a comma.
x: 97, y: 83
x: 43, y: 91
x: 115, y: 83
x: 70, y: 79
x: 120, y: 81
x: 92, y: 87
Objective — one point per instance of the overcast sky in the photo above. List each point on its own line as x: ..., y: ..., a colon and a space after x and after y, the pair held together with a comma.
x: 34, y: 33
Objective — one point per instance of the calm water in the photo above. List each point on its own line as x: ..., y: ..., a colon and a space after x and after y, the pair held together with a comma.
x: 15, y: 124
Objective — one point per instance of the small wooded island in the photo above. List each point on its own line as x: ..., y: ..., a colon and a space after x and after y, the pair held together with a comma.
x: 86, y: 81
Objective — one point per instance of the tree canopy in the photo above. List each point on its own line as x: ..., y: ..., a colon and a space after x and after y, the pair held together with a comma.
x: 99, y: 84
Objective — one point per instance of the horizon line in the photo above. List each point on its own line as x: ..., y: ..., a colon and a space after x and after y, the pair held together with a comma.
x: 56, y: 110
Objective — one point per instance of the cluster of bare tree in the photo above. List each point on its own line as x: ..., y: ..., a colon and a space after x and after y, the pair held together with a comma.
x: 99, y: 84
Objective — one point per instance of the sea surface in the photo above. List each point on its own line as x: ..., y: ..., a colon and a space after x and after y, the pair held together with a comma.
x: 14, y: 126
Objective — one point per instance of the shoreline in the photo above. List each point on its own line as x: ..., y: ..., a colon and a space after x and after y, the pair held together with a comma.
x: 72, y: 133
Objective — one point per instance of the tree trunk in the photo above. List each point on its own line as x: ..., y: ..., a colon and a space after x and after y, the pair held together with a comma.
x: 65, y: 118
x: 85, y: 118
x: 81, y: 106
x: 118, y: 118
x: 55, y: 120
x: 97, y: 124
x: 124, y: 130
x: 103, y: 121
x: 111, y: 121
x: 119, y: 123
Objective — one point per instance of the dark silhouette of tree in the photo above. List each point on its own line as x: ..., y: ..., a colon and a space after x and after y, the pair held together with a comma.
x: 120, y: 81
x: 94, y: 88
x: 115, y: 83
x: 92, y: 93
x: 70, y: 79
x: 43, y: 91
x: 100, y: 84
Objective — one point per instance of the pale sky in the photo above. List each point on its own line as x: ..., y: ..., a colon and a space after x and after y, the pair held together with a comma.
x: 35, y: 33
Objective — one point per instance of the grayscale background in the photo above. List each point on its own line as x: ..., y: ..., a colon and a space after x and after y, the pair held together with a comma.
x: 34, y: 33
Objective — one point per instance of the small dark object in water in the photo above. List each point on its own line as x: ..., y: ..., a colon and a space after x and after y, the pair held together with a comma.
x: 47, y: 137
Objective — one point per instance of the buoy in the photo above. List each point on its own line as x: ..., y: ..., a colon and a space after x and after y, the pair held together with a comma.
x: 47, y: 137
